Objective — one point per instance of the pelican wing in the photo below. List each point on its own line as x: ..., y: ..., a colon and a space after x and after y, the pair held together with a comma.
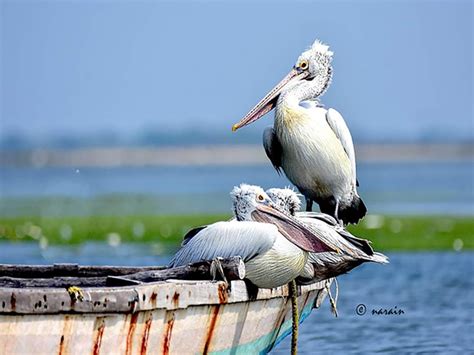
x: 362, y: 244
x: 226, y: 239
x: 330, y: 235
x: 353, y: 251
x: 328, y: 265
x: 191, y: 234
x: 317, y: 215
x: 339, y: 127
x: 292, y: 229
x: 341, y: 238
x: 272, y: 147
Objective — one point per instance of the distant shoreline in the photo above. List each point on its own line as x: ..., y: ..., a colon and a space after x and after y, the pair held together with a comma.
x: 387, y: 232
x: 219, y: 155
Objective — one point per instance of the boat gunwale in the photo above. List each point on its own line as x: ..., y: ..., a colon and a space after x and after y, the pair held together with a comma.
x: 170, y: 295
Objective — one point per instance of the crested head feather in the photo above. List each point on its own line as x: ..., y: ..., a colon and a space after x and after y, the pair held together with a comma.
x: 319, y: 53
x: 319, y: 59
x: 243, y: 190
x: 322, y: 48
x: 286, y: 199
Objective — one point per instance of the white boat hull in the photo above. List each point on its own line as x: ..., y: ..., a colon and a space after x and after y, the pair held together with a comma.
x: 160, y: 318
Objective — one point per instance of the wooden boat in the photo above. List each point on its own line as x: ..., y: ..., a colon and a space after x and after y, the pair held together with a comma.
x: 126, y: 310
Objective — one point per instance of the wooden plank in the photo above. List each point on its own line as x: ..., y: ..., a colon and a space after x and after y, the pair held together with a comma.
x: 45, y: 271
x: 234, y: 269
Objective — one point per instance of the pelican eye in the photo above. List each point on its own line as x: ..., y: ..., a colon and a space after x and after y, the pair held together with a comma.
x: 260, y: 197
x: 303, y: 65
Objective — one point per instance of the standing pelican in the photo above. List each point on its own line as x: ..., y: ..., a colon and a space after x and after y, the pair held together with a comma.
x: 274, y: 252
x: 311, y: 144
x: 353, y: 251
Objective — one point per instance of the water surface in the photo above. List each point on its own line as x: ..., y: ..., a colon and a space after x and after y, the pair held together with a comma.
x: 435, y: 290
x: 400, y: 188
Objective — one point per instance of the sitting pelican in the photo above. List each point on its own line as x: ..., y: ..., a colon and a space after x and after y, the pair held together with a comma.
x: 310, y: 143
x: 353, y: 251
x: 273, y: 245
x: 275, y: 252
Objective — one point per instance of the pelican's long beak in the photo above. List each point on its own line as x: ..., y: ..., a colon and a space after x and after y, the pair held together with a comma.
x: 295, y: 231
x: 269, y: 102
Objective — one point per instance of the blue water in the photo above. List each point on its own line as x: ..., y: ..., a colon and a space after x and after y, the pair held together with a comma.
x: 435, y: 290
x: 402, y: 188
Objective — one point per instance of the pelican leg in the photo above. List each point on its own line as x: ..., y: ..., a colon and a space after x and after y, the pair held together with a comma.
x: 295, y: 317
x: 336, y: 216
x: 332, y: 300
x: 309, y: 204
x: 216, y: 269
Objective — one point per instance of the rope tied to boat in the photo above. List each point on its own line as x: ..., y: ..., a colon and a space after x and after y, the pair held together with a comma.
x: 295, y: 317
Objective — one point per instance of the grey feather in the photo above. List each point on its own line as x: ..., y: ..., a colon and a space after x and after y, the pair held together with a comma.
x: 330, y: 235
x: 362, y: 244
x: 328, y: 265
x: 227, y: 239
x: 353, y: 251
x: 272, y: 148
x: 191, y: 234
x: 318, y: 215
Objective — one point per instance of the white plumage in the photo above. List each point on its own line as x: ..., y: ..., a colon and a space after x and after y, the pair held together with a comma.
x: 310, y: 143
x: 270, y: 259
x: 270, y: 252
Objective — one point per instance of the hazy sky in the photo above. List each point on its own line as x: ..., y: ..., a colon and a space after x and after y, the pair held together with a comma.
x: 401, y: 68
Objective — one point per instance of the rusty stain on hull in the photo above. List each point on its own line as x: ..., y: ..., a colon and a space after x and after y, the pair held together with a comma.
x: 220, y: 318
x: 212, y: 326
x: 153, y: 297
x: 168, y: 330
x: 13, y: 302
x: 61, y: 345
x: 64, y: 336
x: 146, y: 333
x: 131, y: 330
x: 176, y: 299
x: 222, y: 293
x: 99, y: 326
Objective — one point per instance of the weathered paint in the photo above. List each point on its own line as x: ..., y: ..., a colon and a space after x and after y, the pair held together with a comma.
x: 170, y: 318
x: 167, y: 332
x: 99, y: 327
x: 131, y: 330
x: 210, y: 328
x: 146, y: 333
x: 66, y: 330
